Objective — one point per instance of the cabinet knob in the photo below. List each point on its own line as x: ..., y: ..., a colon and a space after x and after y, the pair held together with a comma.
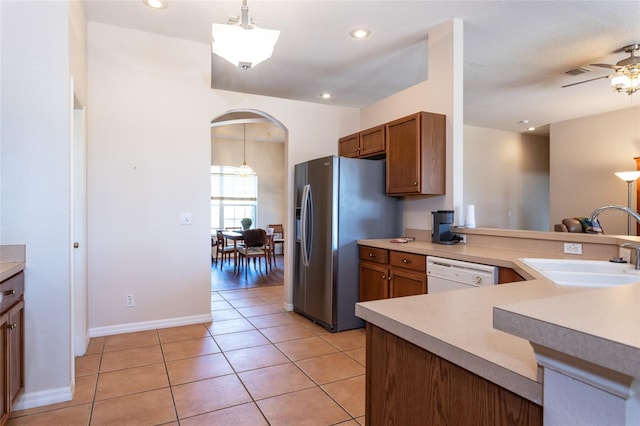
x: 12, y: 326
x: 372, y: 255
x: 76, y: 245
x: 10, y: 292
x: 415, y: 183
x: 406, y: 261
x: 384, y: 277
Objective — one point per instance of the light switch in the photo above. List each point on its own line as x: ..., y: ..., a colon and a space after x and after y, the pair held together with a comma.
x: 185, y: 218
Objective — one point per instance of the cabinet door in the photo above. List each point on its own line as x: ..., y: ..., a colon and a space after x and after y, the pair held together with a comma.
x: 4, y: 400
x: 407, y: 283
x: 372, y: 141
x: 374, y: 281
x: 403, y: 155
x: 15, y: 352
x: 349, y: 146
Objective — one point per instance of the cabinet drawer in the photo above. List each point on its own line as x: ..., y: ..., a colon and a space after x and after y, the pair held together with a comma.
x: 376, y: 255
x: 415, y: 262
x: 11, y: 290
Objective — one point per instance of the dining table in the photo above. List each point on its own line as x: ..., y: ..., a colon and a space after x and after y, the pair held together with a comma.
x: 235, y: 236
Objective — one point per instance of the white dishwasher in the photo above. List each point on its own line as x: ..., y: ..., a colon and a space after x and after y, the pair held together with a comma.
x: 448, y: 274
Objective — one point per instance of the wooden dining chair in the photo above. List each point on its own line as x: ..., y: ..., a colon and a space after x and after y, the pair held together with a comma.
x: 278, y: 235
x: 254, y: 248
x: 222, y: 249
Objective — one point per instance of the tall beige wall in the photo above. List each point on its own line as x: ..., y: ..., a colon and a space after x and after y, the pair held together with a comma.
x: 441, y: 93
x: 506, y: 178
x: 585, y: 154
x: 36, y: 53
x: 149, y: 151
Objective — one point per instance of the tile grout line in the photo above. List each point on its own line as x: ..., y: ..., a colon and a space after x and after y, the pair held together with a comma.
x: 316, y: 384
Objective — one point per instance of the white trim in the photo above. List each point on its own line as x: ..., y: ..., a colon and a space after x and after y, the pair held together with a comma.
x: 45, y: 397
x: 149, y: 325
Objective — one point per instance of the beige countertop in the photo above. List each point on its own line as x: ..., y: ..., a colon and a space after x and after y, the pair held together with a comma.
x: 8, y: 269
x: 12, y: 260
x: 459, y: 325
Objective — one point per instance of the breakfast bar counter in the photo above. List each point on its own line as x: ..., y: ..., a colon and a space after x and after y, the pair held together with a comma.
x: 487, y: 330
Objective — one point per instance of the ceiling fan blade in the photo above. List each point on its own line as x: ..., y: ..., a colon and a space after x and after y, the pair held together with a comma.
x: 584, y: 81
x: 613, y: 67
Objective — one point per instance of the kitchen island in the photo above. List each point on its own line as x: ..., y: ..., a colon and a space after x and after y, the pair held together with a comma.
x: 458, y: 327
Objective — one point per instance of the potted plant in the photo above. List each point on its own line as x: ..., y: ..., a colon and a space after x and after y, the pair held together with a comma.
x: 246, y: 223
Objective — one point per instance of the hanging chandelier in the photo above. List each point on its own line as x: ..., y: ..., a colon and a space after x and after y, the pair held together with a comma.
x: 244, y: 169
x: 241, y: 42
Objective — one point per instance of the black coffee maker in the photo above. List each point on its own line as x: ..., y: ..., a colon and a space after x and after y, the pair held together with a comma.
x: 441, y: 227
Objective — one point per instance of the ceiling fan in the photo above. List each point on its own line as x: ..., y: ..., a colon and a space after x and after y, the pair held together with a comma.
x: 627, y: 76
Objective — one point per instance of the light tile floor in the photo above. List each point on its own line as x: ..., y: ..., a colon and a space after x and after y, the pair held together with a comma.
x: 255, y: 364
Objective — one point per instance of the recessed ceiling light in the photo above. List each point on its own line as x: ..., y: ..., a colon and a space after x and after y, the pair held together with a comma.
x: 531, y: 129
x: 156, y: 4
x: 360, y: 33
x: 325, y: 95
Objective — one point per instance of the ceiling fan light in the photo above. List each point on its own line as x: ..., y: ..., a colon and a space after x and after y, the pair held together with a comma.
x: 620, y: 82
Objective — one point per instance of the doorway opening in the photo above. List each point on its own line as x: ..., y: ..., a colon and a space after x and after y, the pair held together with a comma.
x: 254, y: 138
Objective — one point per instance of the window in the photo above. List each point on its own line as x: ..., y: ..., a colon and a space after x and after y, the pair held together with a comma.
x: 232, y: 197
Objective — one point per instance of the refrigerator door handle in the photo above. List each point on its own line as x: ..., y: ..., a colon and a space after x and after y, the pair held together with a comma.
x: 306, y: 224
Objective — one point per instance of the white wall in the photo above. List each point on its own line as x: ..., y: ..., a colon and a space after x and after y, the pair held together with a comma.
x: 585, y: 154
x: 149, y: 111
x: 36, y: 54
x: 441, y: 93
x: 506, y: 177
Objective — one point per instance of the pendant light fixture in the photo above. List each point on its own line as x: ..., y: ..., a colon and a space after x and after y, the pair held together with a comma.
x: 244, y: 170
x: 241, y: 42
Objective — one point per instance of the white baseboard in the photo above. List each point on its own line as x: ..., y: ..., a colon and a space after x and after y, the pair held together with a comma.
x: 288, y: 306
x: 149, y: 325
x: 45, y: 397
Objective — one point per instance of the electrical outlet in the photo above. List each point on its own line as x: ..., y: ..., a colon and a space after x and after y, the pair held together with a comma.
x: 459, y: 238
x: 625, y: 253
x: 573, y: 248
x: 131, y: 300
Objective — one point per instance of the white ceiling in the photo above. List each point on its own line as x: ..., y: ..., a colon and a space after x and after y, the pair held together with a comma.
x: 515, y: 52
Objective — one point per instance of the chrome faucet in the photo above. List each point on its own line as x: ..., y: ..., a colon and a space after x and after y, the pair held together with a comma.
x: 637, y: 247
x: 596, y: 212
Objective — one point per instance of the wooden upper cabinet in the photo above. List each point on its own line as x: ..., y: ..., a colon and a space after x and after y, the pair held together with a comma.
x: 372, y: 141
x: 416, y: 154
x: 349, y: 146
x: 365, y: 144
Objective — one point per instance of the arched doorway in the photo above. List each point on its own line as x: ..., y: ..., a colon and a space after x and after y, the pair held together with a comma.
x: 260, y: 140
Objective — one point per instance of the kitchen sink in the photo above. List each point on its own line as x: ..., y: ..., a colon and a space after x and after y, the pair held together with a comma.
x: 585, y: 273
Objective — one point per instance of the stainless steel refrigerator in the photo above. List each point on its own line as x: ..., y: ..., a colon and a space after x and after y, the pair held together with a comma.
x: 338, y: 201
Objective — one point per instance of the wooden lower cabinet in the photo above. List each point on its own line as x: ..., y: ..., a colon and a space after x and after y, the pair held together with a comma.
x: 408, y: 272
x: 407, y: 385
x: 389, y: 273
x: 11, y: 343
x: 374, y: 281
